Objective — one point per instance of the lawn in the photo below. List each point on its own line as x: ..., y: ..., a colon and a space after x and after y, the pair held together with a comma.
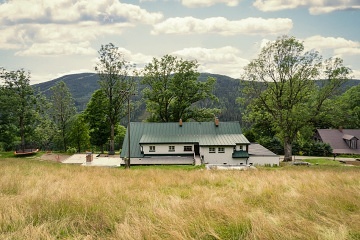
x: 48, y: 200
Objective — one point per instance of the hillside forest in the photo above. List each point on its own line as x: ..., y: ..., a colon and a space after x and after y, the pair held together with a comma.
x: 282, y: 97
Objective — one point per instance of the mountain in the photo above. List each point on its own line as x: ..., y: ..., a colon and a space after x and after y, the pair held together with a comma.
x: 227, y: 89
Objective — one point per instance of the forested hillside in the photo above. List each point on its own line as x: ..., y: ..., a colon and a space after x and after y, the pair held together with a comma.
x: 227, y: 89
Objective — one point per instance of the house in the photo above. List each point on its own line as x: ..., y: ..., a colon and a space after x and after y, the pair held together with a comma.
x: 342, y: 141
x: 218, y: 143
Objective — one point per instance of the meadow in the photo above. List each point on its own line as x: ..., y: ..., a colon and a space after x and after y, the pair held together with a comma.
x: 48, y: 200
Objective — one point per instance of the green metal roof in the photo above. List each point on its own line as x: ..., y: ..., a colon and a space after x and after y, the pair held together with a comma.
x: 240, y: 154
x: 204, y: 133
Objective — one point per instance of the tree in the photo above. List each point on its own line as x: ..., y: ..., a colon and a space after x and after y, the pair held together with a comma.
x: 96, y: 116
x: 347, y: 109
x: 63, y: 108
x: 172, y: 90
x: 116, y: 82
x: 19, y: 102
x: 78, y: 133
x: 281, y: 84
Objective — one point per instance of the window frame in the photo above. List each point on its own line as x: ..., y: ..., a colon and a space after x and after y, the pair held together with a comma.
x: 188, y: 148
x: 212, y: 149
x: 172, y: 148
x: 222, y: 150
x: 152, y: 148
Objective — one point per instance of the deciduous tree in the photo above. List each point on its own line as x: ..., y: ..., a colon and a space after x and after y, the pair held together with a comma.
x: 19, y: 102
x: 173, y: 89
x: 96, y: 116
x: 117, y: 81
x: 281, y: 84
x: 62, y: 109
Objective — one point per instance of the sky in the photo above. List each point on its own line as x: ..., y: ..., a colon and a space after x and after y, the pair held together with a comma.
x: 52, y: 38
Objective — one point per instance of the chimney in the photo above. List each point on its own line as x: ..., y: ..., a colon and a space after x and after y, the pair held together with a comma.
x: 180, y: 122
x: 216, y: 122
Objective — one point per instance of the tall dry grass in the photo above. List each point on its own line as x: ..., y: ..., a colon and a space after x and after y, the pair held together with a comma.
x: 52, y: 201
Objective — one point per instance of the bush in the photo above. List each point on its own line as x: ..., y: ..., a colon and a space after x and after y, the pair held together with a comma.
x: 71, y: 150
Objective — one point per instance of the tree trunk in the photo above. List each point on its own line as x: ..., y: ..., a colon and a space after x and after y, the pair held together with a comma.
x: 22, y: 134
x: 112, y: 133
x: 287, y: 150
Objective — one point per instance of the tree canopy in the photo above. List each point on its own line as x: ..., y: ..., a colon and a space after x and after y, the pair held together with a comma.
x: 281, y: 86
x: 117, y: 81
x: 172, y: 90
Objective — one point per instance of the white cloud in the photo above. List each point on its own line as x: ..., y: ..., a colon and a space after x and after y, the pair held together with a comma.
x: 39, y: 78
x: 58, y: 25
x: 220, y: 25
x: 223, y: 60
x: 315, y: 6
x: 208, y: 3
x: 70, y: 11
x: 339, y: 46
x: 57, y: 48
x: 356, y: 74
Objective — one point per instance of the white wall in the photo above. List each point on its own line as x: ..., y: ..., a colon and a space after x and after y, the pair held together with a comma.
x: 221, y: 158
x: 164, y: 149
x: 262, y: 160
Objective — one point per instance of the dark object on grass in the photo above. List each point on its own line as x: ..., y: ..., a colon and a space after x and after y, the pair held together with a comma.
x: 301, y: 163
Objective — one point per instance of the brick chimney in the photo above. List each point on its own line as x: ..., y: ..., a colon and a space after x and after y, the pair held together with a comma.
x: 180, y: 122
x: 216, y: 122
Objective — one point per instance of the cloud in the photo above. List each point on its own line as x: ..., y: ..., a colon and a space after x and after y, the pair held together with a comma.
x: 340, y: 46
x: 208, y: 3
x: 57, y: 48
x: 71, y: 11
x: 220, y: 25
x: 59, y: 25
x: 223, y: 60
x: 315, y: 7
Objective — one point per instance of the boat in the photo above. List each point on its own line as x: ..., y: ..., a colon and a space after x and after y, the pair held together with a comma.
x: 26, y: 152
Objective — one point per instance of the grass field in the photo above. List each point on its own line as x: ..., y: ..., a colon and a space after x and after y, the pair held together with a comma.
x: 47, y: 200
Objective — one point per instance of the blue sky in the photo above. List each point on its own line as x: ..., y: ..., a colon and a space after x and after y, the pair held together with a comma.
x: 51, y: 38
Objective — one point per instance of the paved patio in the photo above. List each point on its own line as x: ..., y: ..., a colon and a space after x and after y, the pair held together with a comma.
x: 112, y: 161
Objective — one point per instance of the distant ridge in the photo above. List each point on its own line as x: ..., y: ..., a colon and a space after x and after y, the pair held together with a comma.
x: 227, y: 89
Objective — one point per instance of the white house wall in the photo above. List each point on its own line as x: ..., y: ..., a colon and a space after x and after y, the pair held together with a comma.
x: 164, y: 149
x: 262, y: 160
x: 220, y: 158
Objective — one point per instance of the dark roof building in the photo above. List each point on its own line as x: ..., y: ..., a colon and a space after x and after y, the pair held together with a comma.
x: 191, y: 143
x: 342, y: 141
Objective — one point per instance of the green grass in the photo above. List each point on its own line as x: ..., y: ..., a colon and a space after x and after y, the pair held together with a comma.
x: 323, y: 162
x: 49, y: 200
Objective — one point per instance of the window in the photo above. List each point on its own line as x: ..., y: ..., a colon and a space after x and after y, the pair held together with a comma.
x: 211, y: 150
x: 151, y: 148
x: 171, y: 148
x: 187, y: 148
x: 221, y: 150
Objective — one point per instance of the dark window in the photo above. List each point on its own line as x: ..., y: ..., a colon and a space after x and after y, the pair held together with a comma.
x: 151, y: 148
x: 221, y: 150
x: 187, y: 148
x: 171, y: 148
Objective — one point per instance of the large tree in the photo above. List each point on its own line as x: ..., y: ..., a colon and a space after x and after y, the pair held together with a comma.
x: 19, y: 101
x: 96, y: 116
x: 116, y: 79
x: 62, y: 110
x: 281, y: 86
x: 173, y: 89
x: 78, y: 133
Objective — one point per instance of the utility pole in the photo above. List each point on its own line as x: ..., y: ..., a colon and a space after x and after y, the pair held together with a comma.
x: 128, y: 162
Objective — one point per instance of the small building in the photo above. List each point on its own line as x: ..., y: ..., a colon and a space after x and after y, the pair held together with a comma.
x: 342, y: 141
x: 216, y: 143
